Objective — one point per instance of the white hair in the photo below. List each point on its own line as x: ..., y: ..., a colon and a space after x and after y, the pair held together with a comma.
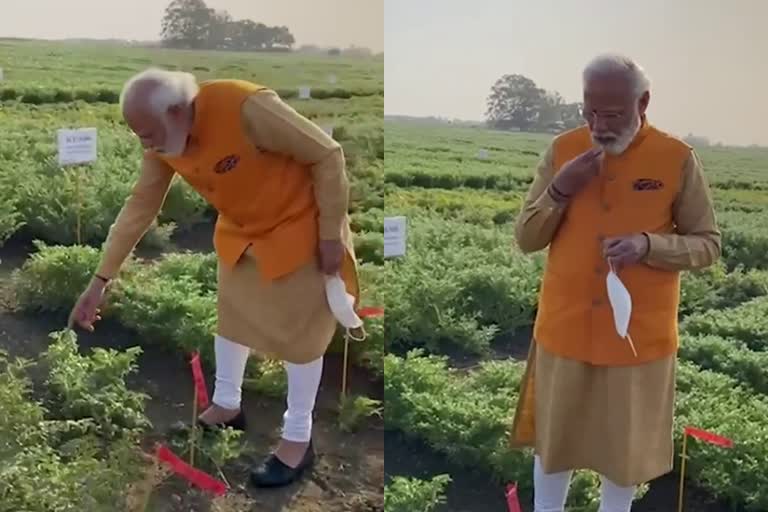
x: 608, y: 63
x: 173, y: 88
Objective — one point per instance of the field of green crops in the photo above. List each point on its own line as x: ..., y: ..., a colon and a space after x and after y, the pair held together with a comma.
x: 460, y: 308
x: 83, y: 422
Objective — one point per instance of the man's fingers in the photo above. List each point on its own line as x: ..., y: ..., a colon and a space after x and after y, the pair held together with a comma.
x: 619, y: 252
x: 612, y: 245
x: 592, y: 154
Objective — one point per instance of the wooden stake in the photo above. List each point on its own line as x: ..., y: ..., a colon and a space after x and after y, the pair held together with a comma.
x: 684, y: 456
x: 194, y: 431
x: 79, y: 198
x: 344, y: 371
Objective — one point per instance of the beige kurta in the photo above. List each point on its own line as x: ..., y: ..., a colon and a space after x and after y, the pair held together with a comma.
x: 287, y: 318
x: 616, y: 421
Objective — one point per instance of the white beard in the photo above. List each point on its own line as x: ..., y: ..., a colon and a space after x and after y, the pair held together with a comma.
x: 622, y: 140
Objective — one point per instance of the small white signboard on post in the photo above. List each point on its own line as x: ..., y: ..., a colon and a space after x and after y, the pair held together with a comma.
x: 394, y: 236
x: 482, y: 154
x: 331, y: 78
x: 305, y: 92
x: 77, y: 146
x: 2, y: 77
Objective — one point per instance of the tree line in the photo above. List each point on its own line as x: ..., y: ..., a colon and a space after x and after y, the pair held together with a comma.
x: 191, y: 24
x: 517, y: 103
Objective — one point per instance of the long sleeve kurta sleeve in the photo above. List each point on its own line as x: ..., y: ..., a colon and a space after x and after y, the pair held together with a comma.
x: 139, y: 211
x: 541, y: 213
x: 273, y: 125
x: 697, y: 240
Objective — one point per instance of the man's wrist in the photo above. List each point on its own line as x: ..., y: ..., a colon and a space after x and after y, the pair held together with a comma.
x: 557, y: 194
x: 101, y: 278
x: 647, y: 245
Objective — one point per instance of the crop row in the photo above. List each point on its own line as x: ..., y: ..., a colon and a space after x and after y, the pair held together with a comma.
x: 170, y: 301
x: 450, y: 157
x: 43, y: 200
x: 467, y: 416
x: 39, y: 96
x: 61, y: 65
x: 465, y: 286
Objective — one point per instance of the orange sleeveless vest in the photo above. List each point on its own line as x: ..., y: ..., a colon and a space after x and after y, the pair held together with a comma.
x: 634, y: 193
x: 265, y: 200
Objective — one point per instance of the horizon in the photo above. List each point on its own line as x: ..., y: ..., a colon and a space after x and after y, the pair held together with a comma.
x: 700, y: 84
x: 312, y: 22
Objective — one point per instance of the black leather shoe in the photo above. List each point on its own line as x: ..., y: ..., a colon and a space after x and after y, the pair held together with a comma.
x: 236, y: 423
x: 274, y: 473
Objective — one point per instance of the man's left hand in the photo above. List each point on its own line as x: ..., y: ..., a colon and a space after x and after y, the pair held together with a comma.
x: 331, y: 256
x: 625, y: 250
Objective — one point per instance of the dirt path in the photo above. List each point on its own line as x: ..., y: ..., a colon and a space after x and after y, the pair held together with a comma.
x: 349, y: 475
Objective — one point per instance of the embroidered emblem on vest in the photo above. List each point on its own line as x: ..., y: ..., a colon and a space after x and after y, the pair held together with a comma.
x: 647, y: 184
x: 226, y: 164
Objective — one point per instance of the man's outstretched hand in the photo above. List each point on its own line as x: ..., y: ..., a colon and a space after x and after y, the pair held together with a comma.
x: 86, y: 311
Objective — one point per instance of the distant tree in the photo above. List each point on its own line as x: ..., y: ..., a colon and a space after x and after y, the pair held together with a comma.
x: 187, y: 24
x: 514, y: 102
x: 551, y: 109
x: 280, y: 37
x: 192, y: 24
x: 695, y: 140
x: 571, y: 115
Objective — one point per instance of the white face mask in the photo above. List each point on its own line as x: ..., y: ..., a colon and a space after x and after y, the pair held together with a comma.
x: 342, y: 304
x: 621, y: 304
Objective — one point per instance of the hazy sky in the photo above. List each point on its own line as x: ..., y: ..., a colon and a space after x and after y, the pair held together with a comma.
x: 706, y: 58
x: 323, y: 22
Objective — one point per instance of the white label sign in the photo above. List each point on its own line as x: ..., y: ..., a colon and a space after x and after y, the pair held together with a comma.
x: 1, y: 75
x: 394, y: 236
x: 331, y: 79
x: 77, y: 146
x: 305, y: 92
x: 482, y: 154
x: 328, y: 129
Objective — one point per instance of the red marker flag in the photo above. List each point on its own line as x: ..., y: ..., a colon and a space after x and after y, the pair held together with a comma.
x: 513, y: 502
x: 197, y: 374
x: 370, y: 312
x: 194, y: 476
x: 709, y: 437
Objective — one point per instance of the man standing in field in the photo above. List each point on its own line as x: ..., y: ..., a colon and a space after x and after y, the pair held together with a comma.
x: 280, y: 188
x: 617, y: 193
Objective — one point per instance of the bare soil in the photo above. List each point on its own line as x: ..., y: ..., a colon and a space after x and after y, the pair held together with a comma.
x: 349, y: 473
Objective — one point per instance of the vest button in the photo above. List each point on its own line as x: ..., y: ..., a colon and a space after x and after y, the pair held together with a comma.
x: 597, y: 302
x: 606, y: 207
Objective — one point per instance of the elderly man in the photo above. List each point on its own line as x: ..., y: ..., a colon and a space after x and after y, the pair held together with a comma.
x: 616, y: 194
x: 279, y: 185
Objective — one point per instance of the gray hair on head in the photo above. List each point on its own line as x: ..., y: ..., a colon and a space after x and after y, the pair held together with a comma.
x: 171, y: 88
x: 614, y: 63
